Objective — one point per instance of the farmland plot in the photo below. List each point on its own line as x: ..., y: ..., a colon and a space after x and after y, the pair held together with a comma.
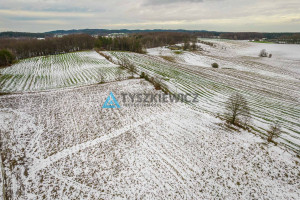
x: 57, y: 71
x: 63, y: 145
x: 272, y: 91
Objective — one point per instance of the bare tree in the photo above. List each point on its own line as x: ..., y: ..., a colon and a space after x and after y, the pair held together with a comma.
x: 237, y: 109
x: 186, y: 45
x: 194, y: 46
x: 274, y: 131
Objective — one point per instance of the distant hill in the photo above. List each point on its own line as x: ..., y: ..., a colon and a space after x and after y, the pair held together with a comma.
x: 203, y: 33
x: 108, y: 31
x: 10, y: 34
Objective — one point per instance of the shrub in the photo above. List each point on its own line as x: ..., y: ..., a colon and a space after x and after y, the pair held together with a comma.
x: 194, y: 46
x: 215, y: 65
x: 274, y: 131
x: 270, y: 55
x: 151, y: 80
x: 142, y: 75
x: 157, y: 85
x: 186, y: 45
x: 263, y: 53
x: 156, y: 82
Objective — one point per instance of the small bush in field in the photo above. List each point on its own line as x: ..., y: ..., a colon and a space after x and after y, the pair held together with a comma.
x: 274, y: 131
x: 215, y: 65
x: 263, y: 53
x: 142, y: 75
x: 157, y: 85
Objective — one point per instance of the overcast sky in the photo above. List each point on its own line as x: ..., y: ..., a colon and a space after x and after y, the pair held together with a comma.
x: 218, y: 15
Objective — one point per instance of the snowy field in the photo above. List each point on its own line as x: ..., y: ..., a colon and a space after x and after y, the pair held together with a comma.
x: 57, y: 71
x: 271, y: 85
x: 59, y: 143
x: 63, y: 145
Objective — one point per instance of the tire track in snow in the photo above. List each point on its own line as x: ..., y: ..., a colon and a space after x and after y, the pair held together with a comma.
x: 43, y: 163
x: 79, y: 186
x: 169, y: 163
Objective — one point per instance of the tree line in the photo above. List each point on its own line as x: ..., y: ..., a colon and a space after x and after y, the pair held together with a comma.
x: 6, y: 57
x: 241, y: 36
x: 11, y: 34
x: 138, y: 42
x: 291, y: 39
x: 30, y: 47
x: 156, y: 39
x: 21, y: 48
x: 119, y: 44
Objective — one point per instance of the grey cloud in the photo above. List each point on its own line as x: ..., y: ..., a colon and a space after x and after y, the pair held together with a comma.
x: 161, y: 2
x: 219, y: 15
x: 295, y: 20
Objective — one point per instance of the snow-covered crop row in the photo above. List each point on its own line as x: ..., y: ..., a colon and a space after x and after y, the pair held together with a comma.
x: 57, y: 71
x: 64, y: 145
x: 270, y: 98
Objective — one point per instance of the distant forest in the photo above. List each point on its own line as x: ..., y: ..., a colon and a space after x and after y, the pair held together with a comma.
x: 200, y: 33
x: 25, y: 47
x: 17, y: 45
x: 30, y: 47
x: 139, y: 41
